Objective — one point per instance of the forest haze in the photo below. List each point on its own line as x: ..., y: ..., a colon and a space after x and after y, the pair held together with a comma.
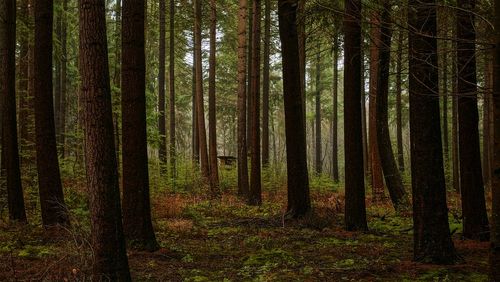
x: 249, y: 140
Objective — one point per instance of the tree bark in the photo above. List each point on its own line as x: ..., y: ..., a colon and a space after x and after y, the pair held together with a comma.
x: 399, y: 115
x: 255, y: 177
x: 49, y: 180
x: 265, y: 84
x: 10, y: 150
x: 136, y: 203
x: 242, y: 99
x: 335, y: 153
x: 432, y: 239
x: 318, y: 153
x: 475, y: 220
x: 64, y: 79
x: 162, y: 130
x: 391, y: 173
x: 299, y: 202
x: 355, y: 209
x: 171, y: 80
x: 108, y: 244
x: 212, y: 111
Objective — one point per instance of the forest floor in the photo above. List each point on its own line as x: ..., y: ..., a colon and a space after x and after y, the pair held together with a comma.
x: 225, y: 240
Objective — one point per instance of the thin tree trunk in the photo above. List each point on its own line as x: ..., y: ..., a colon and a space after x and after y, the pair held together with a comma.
x: 444, y: 67
x: 432, y: 239
x: 299, y: 202
x: 212, y: 111
x: 49, y: 180
x: 355, y: 209
x: 399, y: 115
x: 202, y: 133
x: 162, y: 130
x: 242, y: 99
x: 487, y: 119
x: 335, y: 153
x: 475, y: 222
x: 265, y: 84
x: 391, y: 173
x: 255, y: 177
x: 249, y: 75
x: 10, y: 151
x: 318, y: 153
x: 64, y: 79
x: 173, y: 151
x: 108, y: 244
x: 454, y: 128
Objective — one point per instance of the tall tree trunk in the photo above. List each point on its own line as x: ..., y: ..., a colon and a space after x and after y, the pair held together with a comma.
x: 255, y: 177
x: 299, y: 202
x: 162, y: 130
x: 195, y: 133
x: 454, y: 121
x: 171, y: 80
x: 475, y: 220
x: 487, y: 120
x: 49, y: 180
x: 242, y: 101
x: 57, y: 75
x: 335, y: 115
x: 136, y: 203
x: 364, y: 127
x: 23, y: 89
x: 212, y: 110
x: 432, y: 239
x: 301, y: 35
x: 399, y: 91
x: 10, y: 151
x: 376, y: 166
x: 391, y: 173
x: 249, y: 75
x: 116, y: 95
x: 265, y: 84
x: 355, y: 209
x: 64, y: 79
x: 495, y: 187
x: 444, y: 67
x: 202, y: 133
x: 318, y: 164
x: 108, y: 244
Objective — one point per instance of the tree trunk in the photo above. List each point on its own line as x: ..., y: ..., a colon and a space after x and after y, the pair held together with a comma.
x: 64, y: 79
x: 335, y: 123
x: 399, y: 115
x: 116, y: 95
x: 265, y: 84
x: 487, y: 120
x: 171, y: 80
x: 475, y: 220
x: 49, y: 180
x: 23, y: 86
x: 299, y: 202
x: 432, y: 239
x: 202, y: 133
x: 255, y: 177
x: 444, y: 67
x: 249, y: 75
x: 242, y: 101
x: 454, y: 127
x: 108, y: 244
x: 495, y: 187
x: 318, y: 161
x: 136, y: 203
x: 212, y: 111
x: 391, y: 173
x: 355, y: 209
x: 162, y: 130
x: 376, y: 166
x: 10, y: 151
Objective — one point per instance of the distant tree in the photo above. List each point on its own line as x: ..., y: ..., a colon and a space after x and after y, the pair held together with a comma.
x: 8, y: 129
x: 255, y: 197
x: 432, y: 239
x: 49, y: 180
x: 108, y: 245
x: 355, y: 209
x: 242, y: 102
x: 299, y: 202
x: 136, y: 202
x: 475, y: 224
x: 212, y: 111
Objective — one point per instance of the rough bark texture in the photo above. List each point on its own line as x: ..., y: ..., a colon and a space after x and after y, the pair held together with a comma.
x: 475, y: 220
x: 171, y: 81
x: 391, y: 173
x: 495, y: 188
x: 432, y: 239
x: 108, y: 244
x: 162, y: 130
x: 242, y: 102
x: 335, y: 124
x: 318, y: 161
x: 377, y: 177
x: 255, y: 197
x: 355, y: 209
x: 299, y: 202
x: 212, y: 119
x: 200, y: 109
x: 399, y: 115
x: 265, y: 84
x: 10, y: 152
x: 49, y: 180
x: 487, y: 122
